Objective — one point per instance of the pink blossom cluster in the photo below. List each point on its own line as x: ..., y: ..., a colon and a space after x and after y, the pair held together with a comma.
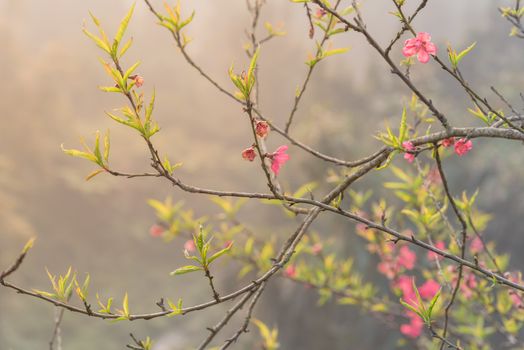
x: 277, y: 158
x: 394, y: 262
x: 462, y: 146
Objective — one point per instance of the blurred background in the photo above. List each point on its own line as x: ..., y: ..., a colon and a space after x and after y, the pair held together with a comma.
x: 49, y: 96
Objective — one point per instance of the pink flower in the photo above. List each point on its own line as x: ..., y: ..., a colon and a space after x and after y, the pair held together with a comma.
x: 516, y: 299
x: 434, y: 256
x: 189, y: 246
x: 249, y: 154
x: 388, y: 269
x: 316, y: 248
x: 421, y: 46
x: 414, y: 328
x: 408, y: 146
x: 476, y: 245
x: 409, y: 157
x: 463, y: 146
x: 228, y: 244
x: 290, y: 271
x: 407, y: 258
x: 261, y: 128
x: 278, y: 158
x: 320, y: 13
x: 156, y: 230
x: 448, y: 142
x: 433, y: 177
x: 469, y: 283
x: 139, y: 81
x: 429, y: 289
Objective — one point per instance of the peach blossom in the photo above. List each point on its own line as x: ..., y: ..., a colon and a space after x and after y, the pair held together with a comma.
x: 463, y: 146
x: 421, y: 46
x: 249, y: 154
x: 278, y: 158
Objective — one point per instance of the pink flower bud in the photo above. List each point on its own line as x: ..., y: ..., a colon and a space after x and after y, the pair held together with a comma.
x: 249, y: 154
x: 189, y: 246
x: 290, y: 271
x: 156, y: 230
x: 448, y: 142
x: 262, y: 128
x: 320, y: 12
x: 139, y: 81
x: 463, y: 146
x: 316, y: 248
x: 408, y: 146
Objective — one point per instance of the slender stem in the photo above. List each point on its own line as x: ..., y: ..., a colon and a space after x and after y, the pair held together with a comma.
x: 56, y: 336
x: 463, y: 233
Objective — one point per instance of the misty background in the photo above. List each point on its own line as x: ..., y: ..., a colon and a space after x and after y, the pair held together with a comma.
x: 49, y: 96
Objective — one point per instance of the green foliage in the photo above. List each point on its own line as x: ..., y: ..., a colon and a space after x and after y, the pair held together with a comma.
x: 488, y: 119
x: 105, y: 308
x: 245, y: 81
x: 93, y: 155
x: 175, y: 309
x: 175, y: 23
x: 62, y: 286
x: 202, y: 245
x: 322, y: 54
x: 418, y: 307
x: 269, y: 336
x: 455, y: 57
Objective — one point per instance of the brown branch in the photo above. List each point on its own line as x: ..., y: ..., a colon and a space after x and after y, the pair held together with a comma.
x: 311, y: 67
x: 463, y: 233
x: 56, y: 331
x: 229, y: 314
x: 243, y: 328
x: 359, y: 27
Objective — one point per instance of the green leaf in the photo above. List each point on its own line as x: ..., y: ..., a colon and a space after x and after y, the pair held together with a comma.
x: 126, y: 47
x: 150, y: 107
x: 185, y: 269
x: 403, y: 127
x: 107, y: 146
x: 96, y: 152
x: 130, y: 70
x: 28, y: 245
x: 122, y: 29
x: 465, y: 52
x: 388, y: 160
x: 220, y: 253
x: 99, y: 42
x: 304, y: 189
x: 79, y: 154
x: 94, y: 173
x: 125, y: 305
x: 253, y: 64
x: 177, y: 309
x: 110, y: 88
x: 335, y: 52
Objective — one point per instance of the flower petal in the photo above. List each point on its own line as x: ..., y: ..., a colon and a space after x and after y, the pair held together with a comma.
x: 423, y: 56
